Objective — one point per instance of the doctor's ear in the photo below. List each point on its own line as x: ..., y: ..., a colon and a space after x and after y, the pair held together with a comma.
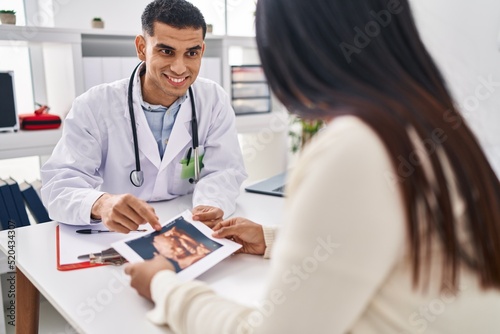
x: 140, y: 47
x: 203, y: 48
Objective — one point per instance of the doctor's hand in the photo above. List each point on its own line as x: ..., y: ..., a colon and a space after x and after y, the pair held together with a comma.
x: 124, y: 213
x: 208, y: 215
x: 142, y: 273
x: 243, y: 231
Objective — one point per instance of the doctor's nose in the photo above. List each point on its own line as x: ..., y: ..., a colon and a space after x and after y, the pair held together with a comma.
x: 178, y: 66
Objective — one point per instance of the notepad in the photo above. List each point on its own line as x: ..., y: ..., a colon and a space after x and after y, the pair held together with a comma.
x: 70, y: 244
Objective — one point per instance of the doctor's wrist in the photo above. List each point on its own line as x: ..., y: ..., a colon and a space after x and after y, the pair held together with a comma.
x: 95, y: 212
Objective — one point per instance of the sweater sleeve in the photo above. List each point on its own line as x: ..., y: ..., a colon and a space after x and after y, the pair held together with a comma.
x: 192, y: 307
x: 344, y: 231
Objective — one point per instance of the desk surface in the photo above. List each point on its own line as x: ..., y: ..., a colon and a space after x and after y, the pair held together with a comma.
x: 100, y: 300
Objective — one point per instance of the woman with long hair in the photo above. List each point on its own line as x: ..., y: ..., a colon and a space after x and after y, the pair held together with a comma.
x: 392, y: 220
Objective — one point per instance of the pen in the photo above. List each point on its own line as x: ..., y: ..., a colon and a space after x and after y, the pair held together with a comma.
x: 91, y: 231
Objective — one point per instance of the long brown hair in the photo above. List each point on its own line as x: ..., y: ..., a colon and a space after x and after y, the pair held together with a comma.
x: 327, y: 58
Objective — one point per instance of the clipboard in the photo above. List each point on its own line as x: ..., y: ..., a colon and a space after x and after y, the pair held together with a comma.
x: 70, y: 266
x: 70, y: 245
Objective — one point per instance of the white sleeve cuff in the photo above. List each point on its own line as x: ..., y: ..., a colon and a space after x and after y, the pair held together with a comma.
x: 269, y: 236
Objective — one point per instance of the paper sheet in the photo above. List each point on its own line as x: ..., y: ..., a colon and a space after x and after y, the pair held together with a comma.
x: 187, y: 244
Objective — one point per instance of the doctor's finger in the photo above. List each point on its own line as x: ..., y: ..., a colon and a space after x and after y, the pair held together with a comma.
x: 201, y: 208
x: 146, y: 213
x: 212, y: 215
x: 117, y: 227
x: 127, y: 219
x: 120, y: 224
x: 128, y: 216
x: 211, y: 223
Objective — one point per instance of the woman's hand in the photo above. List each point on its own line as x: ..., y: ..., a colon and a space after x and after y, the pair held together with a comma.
x: 243, y: 231
x: 142, y: 273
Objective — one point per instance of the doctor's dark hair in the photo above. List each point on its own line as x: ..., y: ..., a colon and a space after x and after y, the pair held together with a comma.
x: 179, y: 14
x: 328, y: 58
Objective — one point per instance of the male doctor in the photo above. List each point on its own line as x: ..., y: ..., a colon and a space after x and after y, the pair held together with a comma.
x: 90, y: 175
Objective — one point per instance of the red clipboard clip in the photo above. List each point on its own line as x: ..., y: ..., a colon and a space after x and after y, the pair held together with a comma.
x: 110, y: 257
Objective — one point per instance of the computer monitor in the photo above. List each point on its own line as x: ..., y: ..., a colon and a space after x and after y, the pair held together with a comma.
x: 8, y: 113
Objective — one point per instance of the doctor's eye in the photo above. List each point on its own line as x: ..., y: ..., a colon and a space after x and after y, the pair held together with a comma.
x: 193, y: 53
x: 167, y: 52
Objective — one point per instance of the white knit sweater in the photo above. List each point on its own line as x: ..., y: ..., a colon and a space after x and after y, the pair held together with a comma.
x: 340, y: 263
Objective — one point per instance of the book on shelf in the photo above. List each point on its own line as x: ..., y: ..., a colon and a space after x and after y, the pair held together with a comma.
x: 37, y: 185
x: 33, y: 202
x: 9, y: 202
x: 19, y: 202
x: 4, y: 216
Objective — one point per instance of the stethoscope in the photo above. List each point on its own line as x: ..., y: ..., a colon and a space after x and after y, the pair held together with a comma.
x: 137, y: 175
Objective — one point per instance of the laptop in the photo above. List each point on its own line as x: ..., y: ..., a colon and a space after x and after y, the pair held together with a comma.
x: 274, y: 186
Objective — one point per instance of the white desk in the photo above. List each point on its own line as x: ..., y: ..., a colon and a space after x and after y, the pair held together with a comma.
x: 100, y: 300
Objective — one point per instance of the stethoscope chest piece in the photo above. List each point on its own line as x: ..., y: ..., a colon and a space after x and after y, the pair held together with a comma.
x: 137, y: 177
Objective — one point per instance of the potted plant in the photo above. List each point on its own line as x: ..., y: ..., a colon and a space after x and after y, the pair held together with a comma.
x: 301, y: 131
x: 8, y: 16
x: 97, y: 22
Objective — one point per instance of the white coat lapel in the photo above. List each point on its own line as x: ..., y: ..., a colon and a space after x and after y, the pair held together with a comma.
x: 180, y: 135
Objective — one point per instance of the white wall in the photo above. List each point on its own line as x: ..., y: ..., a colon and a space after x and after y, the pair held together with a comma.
x: 463, y: 37
x: 118, y: 15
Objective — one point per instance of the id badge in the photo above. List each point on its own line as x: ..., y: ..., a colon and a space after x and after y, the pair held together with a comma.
x: 187, y: 171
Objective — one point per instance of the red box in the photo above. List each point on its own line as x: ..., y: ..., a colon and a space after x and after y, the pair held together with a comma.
x: 39, y: 121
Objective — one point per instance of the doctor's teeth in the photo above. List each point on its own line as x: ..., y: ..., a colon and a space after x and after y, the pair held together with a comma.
x: 177, y: 80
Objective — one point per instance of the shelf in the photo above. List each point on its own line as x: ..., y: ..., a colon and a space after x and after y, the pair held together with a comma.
x: 28, y: 143
x: 13, y: 35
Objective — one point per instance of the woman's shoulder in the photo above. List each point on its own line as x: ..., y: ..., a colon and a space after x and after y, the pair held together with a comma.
x: 347, y: 151
x: 346, y: 136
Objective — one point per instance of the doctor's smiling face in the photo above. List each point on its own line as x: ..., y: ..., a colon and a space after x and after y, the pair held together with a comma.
x: 173, y: 60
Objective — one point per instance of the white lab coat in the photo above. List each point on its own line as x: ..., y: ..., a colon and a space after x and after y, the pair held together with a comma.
x: 96, y: 153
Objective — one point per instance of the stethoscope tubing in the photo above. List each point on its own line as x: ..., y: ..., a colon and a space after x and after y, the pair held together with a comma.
x: 137, y: 176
